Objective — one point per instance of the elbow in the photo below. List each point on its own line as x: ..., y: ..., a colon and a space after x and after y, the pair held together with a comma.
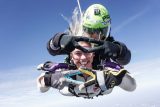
x: 52, y: 49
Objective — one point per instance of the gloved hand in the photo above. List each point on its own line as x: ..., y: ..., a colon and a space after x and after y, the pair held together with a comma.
x: 105, y: 48
x: 55, y: 80
x: 52, y: 67
x: 69, y: 43
x: 105, y: 79
x: 114, y: 78
x: 110, y: 49
x: 110, y: 78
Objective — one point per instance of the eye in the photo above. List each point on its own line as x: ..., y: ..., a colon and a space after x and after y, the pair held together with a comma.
x: 78, y: 53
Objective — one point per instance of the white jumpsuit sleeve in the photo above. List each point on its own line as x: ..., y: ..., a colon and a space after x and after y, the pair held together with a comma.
x: 128, y: 83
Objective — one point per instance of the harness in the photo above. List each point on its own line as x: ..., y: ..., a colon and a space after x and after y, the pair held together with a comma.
x: 71, y: 89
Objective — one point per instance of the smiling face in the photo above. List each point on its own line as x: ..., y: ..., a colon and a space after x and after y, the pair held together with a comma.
x: 80, y: 58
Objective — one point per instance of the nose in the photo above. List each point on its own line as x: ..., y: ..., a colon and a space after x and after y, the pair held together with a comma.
x: 83, y: 56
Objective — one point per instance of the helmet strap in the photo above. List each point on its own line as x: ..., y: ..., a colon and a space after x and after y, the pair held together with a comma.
x: 108, y: 32
x: 99, y: 35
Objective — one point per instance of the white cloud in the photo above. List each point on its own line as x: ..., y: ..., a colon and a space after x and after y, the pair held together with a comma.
x: 130, y: 19
x: 23, y: 92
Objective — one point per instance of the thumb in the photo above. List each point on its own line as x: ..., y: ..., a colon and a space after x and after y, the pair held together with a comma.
x: 122, y: 73
x: 82, y: 86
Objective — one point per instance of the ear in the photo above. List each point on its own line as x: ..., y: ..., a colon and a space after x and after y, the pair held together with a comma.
x: 93, y: 55
x: 71, y: 55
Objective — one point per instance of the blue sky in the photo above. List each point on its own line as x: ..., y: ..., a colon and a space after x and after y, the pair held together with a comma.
x: 27, y: 25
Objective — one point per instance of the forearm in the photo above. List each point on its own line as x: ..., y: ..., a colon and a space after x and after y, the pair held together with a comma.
x: 53, y: 45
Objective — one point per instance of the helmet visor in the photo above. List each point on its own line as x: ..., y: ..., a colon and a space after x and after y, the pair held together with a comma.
x: 102, y: 32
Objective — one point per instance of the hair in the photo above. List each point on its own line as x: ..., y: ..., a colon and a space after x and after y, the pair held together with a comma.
x: 75, y: 28
x: 75, y: 23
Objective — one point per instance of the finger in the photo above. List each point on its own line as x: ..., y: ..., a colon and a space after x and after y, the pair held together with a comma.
x: 81, y: 87
x: 81, y: 38
x: 90, y: 82
x: 95, y: 49
x: 121, y: 73
x: 40, y: 67
x: 90, y: 40
x: 82, y: 48
x: 74, y: 82
x: 87, y: 71
x: 76, y: 45
x: 90, y: 73
x: 99, y: 42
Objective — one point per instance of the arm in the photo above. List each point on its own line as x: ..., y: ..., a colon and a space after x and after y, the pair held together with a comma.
x: 62, y: 43
x: 107, y: 79
x: 53, y: 45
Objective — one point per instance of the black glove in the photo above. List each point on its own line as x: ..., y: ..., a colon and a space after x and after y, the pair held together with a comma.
x: 110, y: 50
x: 114, y: 78
x: 106, y: 49
x: 69, y: 43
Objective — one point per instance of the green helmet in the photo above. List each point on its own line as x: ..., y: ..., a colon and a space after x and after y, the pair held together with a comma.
x: 96, y: 19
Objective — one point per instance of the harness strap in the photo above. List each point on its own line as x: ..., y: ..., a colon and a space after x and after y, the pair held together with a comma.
x: 101, y: 80
x: 71, y: 90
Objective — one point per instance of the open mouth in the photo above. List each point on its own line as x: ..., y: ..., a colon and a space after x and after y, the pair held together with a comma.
x: 84, y: 63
